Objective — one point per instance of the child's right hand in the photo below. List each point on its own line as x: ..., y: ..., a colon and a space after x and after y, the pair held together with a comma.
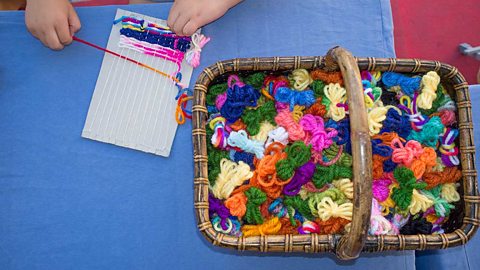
x: 53, y: 22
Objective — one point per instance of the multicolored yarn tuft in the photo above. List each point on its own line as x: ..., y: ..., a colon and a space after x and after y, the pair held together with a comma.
x: 280, y: 155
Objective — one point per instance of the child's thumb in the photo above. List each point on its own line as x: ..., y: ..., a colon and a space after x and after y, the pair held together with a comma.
x: 73, y: 21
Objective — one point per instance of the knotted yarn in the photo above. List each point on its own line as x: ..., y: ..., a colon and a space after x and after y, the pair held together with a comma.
x: 279, y: 135
x: 448, y: 149
x: 430, y: 132
x: 293, y: 97
x: 324, y: 175
x: 297, y: 155
x: 220, y: 135
x: 231, y: 176
x: 237, y: 204
x: 345, y: 185
x: 216, y: 207
x: 317, y: 108
x: 332, y: 225
x: 441, y: 205
x: 424, y: 162
x: 271, y: 226
x: 417, y: 226
x: 317, y: 87
x: 448, y: 175
x: 240, y: 140
x: 302, y: 175
x: 396, y: 122
x: 296, y: 203
x: 428, y: 93
x: 402, y: 195
x: 193, y: 55
x: 327, y: 209
x: 247, y: 158
x: 295, y: 131
x: 254, y: 118
x: 419, y: 203
x: 300, y: 79
x: 327, y: 77
x: 449, y: 192
x: 407, y: 84
x: 379, y: 225
x: 381, y: 189
x: 297, y: 112
x: 265, y: 129
x: 266, y: 174
x: 255, y: 197
x: 333, y: 193
x: 335, y: 95
x: 406, y: 154
x: 334, y: 155
x: 414, y: 115
x: 316, y: 134
x: 308, y: 227
x: 239, y: 96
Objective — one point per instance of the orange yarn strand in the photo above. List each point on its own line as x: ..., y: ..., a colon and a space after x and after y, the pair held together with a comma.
x: 327, y: 77
x: 332, y: 225
x: 449, y: 175
x: 317, y: 109
x: 388, y: 137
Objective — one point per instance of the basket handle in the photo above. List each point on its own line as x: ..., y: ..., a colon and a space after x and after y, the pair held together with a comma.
x: 350, y: 245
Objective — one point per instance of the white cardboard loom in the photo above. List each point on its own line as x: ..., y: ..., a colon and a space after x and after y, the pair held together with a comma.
x: 132, y: 106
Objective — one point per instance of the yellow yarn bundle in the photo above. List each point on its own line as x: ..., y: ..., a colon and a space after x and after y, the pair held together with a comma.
x: 419, y: 203
x: 231, y: 176
x: 375, y: 119
x: 271, y: 226
x: 297, y: 112
x: 450, y: 193
x: 327, y: 209
x: 345, y: 185
x: 430, y: 83
x: 336, y: 94
x: 301, y: 78
x: 265, y: 128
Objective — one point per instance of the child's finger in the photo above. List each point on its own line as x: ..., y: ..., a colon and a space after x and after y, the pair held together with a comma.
x: 51, y: 40
x: 73, y: 21
x: 172, y: 16
x: 190, y: 28
x: 63, y: 33
x: 180, y: 24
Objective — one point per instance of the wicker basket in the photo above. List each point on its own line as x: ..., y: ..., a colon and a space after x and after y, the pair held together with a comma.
x: 350, y: 245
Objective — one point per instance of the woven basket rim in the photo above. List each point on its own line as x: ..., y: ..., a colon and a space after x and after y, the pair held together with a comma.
x: 324, y: 243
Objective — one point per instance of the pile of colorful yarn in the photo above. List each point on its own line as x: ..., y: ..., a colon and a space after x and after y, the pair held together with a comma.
x: 279, y: 154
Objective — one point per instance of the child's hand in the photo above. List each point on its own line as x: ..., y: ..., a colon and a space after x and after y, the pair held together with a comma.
x: 53, y: 22
x: 186, y: 16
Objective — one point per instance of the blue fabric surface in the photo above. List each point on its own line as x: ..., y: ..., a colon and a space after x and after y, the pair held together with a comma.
x: 463, y: 257
x: 72, y: 203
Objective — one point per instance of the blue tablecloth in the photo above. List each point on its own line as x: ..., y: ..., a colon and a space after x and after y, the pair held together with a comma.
x: 463, y: 257
x: 72, y: 203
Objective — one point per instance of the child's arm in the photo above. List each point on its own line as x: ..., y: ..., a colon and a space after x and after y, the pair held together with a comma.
x: 186, y: 16
x: 53, y: 22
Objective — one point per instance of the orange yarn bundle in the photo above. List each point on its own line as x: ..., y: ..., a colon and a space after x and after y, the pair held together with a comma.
x: 287, y: 227
x: 266, y: 172
x: 377, y: 162
x: 332, y: 225
x: 317, y: 109
x: 424, y: 162
x: 237, y: 204
x: 238, y: 125
x: 388, y: 137
x: 449, y: 175
x: 327, y: 77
